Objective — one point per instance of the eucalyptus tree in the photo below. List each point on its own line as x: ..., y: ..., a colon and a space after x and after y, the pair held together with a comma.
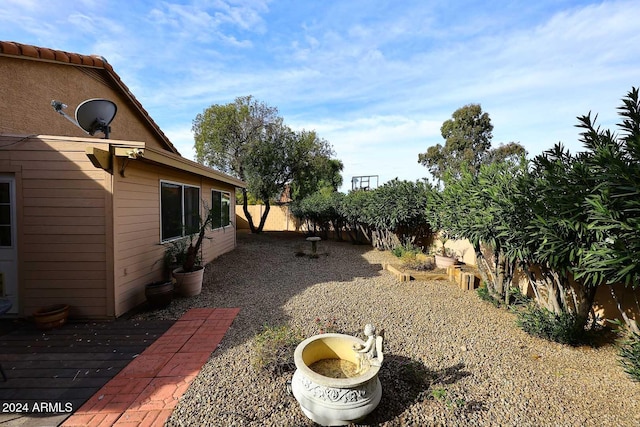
x: 270, y: 165
x: 467, y: 135
x: 478, y: 181
x: 224, y: 134
x: 317, y: 167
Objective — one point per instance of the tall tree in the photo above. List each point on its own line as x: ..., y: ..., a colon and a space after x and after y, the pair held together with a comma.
x: 226, y: 135
x: 317, y: 169
x: 248, y: 139
x: 270, y: 165
x: 467, y: 137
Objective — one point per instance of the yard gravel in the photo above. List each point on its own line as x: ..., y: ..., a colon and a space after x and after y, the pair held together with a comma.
x: 450, y: 358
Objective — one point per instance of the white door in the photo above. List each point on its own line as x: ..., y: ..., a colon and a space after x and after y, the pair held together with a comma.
x: 8, y: 247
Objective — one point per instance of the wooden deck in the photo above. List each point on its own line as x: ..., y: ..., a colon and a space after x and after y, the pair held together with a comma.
x: 56, y: 371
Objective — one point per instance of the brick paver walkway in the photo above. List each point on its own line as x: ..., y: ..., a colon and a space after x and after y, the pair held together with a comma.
x: 145, y: 392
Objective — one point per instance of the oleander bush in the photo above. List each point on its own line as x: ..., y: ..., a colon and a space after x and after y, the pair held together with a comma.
x: 387, y: 217
x: 629, y: 351
x: 563, y: 328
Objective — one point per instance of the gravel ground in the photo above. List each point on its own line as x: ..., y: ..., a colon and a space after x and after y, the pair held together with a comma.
x: 450, y: 358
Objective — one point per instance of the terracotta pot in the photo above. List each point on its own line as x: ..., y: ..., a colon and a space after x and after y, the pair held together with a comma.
x: 189, y: 284
x: 444, y: 261
x: 51, y: 317
x: 159, y: 294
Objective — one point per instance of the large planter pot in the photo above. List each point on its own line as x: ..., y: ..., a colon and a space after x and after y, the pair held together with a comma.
x: 333, y: 401
x: 444, y: 261
x: 159, y: 294
x: 188, y: 283
x: 51, y: 317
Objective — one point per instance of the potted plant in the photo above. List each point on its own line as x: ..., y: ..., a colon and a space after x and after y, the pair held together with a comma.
x: 159, y: 294
x: 186, y: 254
x: 51, y: 317
x: 444, y: 257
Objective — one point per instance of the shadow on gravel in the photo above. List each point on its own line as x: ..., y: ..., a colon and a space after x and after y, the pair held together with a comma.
x: 406, y: 381
x: 263, y: 273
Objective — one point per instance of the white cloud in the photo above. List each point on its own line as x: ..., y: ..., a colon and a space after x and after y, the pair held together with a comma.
x: 182, y: 138
x: 387, y: 146
x: 376, y: 81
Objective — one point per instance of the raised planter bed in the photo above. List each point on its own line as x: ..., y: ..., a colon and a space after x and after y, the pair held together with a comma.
x: 464, y: 276
x: 404, y: 275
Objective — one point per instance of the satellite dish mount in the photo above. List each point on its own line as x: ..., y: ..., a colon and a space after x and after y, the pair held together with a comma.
x: 92, y: 115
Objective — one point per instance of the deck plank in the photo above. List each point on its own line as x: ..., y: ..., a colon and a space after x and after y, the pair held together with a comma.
x: 70, y: 363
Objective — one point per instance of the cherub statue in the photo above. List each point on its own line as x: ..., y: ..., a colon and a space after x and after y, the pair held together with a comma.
x: 371, y: 353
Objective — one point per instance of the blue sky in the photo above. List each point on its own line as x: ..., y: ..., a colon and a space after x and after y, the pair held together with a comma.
x: 374, y: 78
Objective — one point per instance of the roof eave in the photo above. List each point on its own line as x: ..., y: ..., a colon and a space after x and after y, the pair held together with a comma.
x: 178, y: 162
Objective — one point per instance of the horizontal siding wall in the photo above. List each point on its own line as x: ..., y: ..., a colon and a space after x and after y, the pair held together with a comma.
x: 138, y: 251
x: 61, y: 238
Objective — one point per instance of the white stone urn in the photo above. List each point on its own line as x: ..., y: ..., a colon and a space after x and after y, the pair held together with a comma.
x: 336, y: 401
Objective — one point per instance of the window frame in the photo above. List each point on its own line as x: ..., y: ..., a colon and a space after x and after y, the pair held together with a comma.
x: 10, y: 205
x: 183, y: 228
x: 228, y: 197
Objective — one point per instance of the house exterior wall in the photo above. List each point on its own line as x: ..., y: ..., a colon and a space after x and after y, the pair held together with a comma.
x: 86, y: 237
x: 137, y: 241
x: 66, y: 210
x: 28, y: 87
x: 62, y: 229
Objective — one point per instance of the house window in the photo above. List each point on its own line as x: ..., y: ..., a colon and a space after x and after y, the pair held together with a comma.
x: 221, y: 208
x: 5, y: 214
x: 180, y: 210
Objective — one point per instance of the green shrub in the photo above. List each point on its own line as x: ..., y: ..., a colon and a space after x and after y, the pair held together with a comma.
x: 483, y: 293
x: 398, y: 251
x: 629, y: 352
x: 273, y: 349
x: 563, y: 328
x: 439, y: 393
x: 406, y: 250
x: 516, y: 297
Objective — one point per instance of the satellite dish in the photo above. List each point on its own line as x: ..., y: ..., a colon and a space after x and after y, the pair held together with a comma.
x: 91, y: 115
x: 96, y: 115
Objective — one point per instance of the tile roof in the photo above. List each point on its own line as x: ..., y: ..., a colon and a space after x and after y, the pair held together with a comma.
x: 94, y: 61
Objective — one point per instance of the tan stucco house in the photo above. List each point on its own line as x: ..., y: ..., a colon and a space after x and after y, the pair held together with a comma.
x: 83, y: 219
